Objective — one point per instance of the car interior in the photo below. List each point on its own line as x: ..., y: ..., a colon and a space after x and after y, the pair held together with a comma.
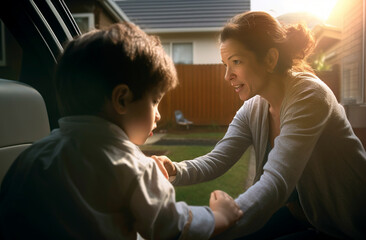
x: 23, y: 120
x: 28, y: 105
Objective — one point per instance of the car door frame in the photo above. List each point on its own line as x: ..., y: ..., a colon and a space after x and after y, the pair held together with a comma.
x: 41, y: 27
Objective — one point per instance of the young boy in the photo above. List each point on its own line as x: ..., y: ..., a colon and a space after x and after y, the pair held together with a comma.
x: 88, y: 179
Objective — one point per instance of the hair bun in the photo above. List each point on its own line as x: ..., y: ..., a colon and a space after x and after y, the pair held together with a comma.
x: 300, y: 41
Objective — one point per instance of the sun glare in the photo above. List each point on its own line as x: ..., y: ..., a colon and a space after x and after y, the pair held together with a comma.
x: 319, y: 8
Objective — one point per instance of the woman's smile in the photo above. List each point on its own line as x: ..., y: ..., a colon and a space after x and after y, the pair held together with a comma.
x: 238, y: 87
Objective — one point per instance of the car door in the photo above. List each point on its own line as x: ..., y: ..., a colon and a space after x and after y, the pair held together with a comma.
x: 41, y: 28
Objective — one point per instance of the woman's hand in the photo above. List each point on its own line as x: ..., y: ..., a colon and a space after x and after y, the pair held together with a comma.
x: 225, y: 210
x: 166, y: 166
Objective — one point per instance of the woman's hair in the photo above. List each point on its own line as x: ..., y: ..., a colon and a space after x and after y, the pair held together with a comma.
x: 259, y: 31
x: 93, y: 64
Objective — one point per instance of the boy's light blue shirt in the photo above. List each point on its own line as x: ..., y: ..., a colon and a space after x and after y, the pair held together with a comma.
x: 92, y: 182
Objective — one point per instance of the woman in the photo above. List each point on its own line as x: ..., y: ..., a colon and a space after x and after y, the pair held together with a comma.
x: 310, y: 166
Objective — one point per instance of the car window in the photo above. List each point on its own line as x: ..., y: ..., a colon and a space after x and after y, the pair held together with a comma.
x: 40, y: 29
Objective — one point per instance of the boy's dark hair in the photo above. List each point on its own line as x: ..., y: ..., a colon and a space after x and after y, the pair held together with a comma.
x: 96, y: 62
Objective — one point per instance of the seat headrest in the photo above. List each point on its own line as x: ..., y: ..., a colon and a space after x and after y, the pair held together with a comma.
x: 23, y: 114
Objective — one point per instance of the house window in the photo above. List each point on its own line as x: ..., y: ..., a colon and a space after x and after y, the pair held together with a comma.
x: 166, y: 47
x: 85, y: 21
x: 351, y: 81
x: 2, y: 45
x: 181, y: 53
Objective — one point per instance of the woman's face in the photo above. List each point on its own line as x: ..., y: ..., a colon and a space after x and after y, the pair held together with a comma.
x: 244, y: 72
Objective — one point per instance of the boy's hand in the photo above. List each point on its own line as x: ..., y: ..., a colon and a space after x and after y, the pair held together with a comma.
x: 166, y: 166
x: 225, y: 210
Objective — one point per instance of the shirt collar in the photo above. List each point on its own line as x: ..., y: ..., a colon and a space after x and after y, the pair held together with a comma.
x: 91, y: 125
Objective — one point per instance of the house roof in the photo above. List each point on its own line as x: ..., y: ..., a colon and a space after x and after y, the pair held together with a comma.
x: 300, y: 17
x: 114, y: 10
x: 159, y: 16
x: 326, y: 36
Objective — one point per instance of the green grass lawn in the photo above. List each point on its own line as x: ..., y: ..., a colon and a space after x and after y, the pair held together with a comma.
x: 232, y: 182
x: 196, y: 135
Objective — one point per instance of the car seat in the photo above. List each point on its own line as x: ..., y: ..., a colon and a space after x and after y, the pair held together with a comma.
x: 23, y: 120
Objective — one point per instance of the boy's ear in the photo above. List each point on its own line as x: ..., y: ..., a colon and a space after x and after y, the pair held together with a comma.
x: 272, y: 59
x: 121, y: 96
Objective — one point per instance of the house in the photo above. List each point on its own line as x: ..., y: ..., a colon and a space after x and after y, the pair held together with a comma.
x: 342, y: 43
x: 188, y: 29
x: 90, y: 14
x: 306, y: 18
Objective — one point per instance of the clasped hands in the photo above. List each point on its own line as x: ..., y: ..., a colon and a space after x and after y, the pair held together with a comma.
x: 166, y: 166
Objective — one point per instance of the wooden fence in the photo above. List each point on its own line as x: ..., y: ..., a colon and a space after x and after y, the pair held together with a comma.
x: 202, y: 95
x: 206, y: 98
